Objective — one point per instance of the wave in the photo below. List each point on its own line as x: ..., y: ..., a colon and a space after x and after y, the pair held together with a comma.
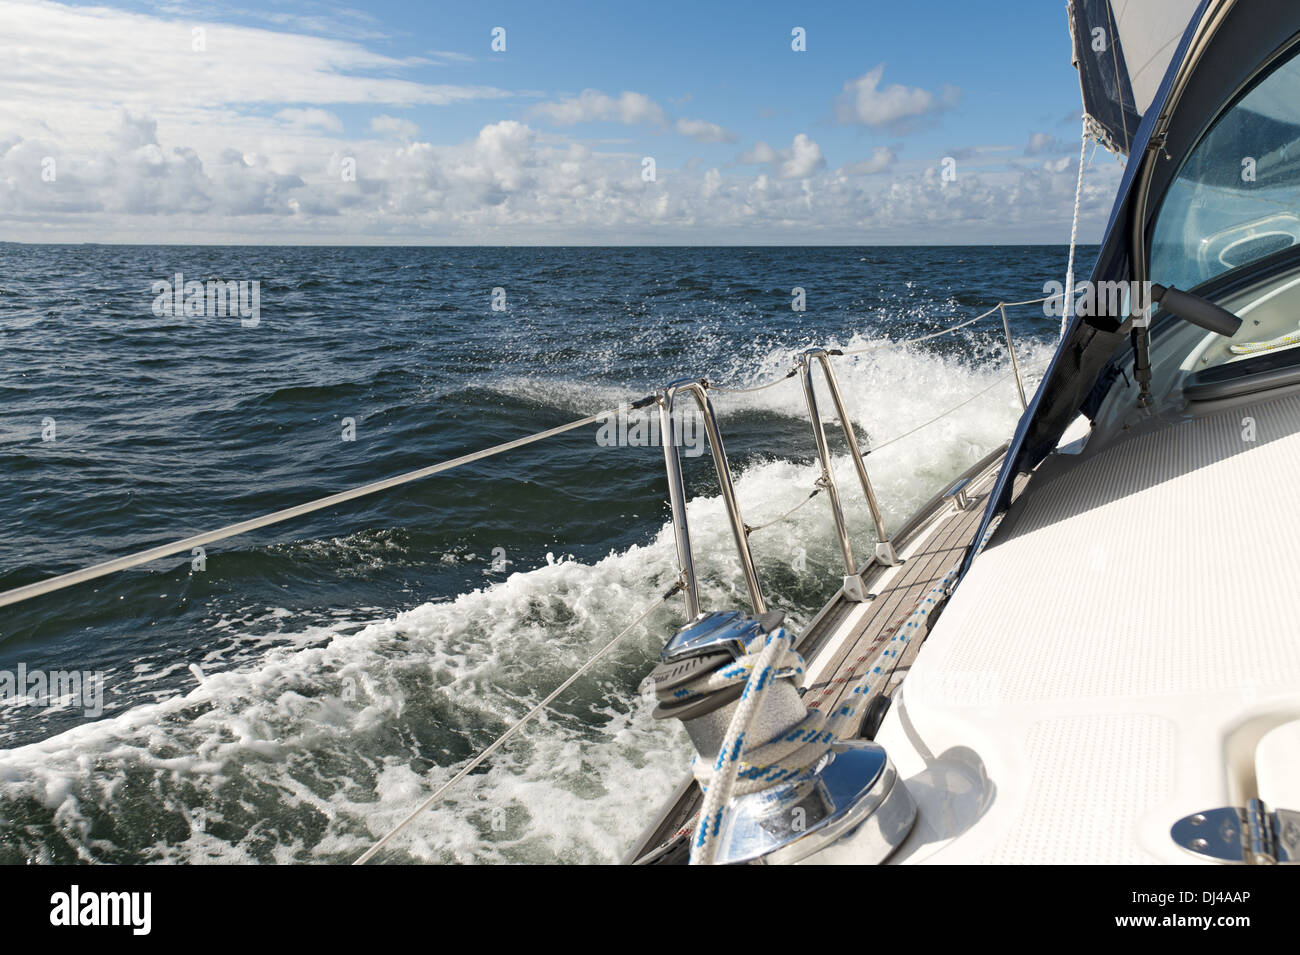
x: 321, y: 740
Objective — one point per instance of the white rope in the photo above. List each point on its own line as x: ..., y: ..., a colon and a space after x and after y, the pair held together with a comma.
x: 801, y: 746
x: 741, y: 768
x: 875, y: 346
x: 1068, y: 312
x: 518, y: 724
x: 939, y: 417
x: 749, y: 391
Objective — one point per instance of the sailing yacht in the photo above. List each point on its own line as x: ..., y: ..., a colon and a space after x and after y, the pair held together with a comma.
x: 1084, y: 651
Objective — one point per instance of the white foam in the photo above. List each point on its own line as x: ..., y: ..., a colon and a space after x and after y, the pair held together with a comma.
x: 325, y: 741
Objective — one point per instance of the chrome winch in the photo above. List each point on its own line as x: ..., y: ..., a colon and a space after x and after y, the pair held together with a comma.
x: 851, y: 795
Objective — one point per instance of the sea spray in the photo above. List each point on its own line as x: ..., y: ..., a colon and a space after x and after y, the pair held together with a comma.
x: 326, y: 710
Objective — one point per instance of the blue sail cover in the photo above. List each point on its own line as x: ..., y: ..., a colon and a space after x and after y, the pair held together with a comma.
x: 1122, y: 50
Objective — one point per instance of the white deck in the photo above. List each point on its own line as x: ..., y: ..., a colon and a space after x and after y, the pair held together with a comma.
x: 1114, y: 657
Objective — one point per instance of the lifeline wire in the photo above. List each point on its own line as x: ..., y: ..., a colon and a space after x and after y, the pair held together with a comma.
x: 518, y: 724
x: 243, y: 527
x: 149, y: 555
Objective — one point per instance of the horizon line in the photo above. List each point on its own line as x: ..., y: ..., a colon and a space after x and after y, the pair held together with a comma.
x: 538, y: 245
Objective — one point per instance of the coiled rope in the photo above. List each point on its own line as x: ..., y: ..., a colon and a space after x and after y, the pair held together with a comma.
x: 745, y: 766
x: 742, y: 767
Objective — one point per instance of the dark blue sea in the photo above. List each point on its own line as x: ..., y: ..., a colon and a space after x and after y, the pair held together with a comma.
x: 309, y: 684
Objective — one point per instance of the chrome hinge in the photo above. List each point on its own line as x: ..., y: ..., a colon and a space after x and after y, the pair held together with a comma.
x: 1250, y: 836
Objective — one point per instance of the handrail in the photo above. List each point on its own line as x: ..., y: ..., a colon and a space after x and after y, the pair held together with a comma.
x: 886, y: 443
x: 884, y: 549
x: 677, y: 492
x: 885, y: 553
x: 827, y: 480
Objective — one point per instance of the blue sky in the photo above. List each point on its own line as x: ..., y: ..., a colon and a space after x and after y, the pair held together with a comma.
x: 232, y: 122
x: 1011, y: 60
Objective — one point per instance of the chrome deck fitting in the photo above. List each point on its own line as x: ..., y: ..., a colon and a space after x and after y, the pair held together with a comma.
x: 1249, y: 836
x: 851, y: 793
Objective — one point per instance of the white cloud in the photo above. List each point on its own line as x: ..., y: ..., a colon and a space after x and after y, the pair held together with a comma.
x: 141, y: 178
x: 155, y: 142
x: 757, y: 154
x: 505, y: 184
x: 90, y: 88
x: 312, y: 118
x: 72, y: 66
x: 802, y: 158
x: 450, y: 56
x: 395, y: 127
x: 1042, y: 143
x: 135, y: 131
x: 341, y: 21
x: 594, y: 106
x: 882, y: 159
x: 864, y: 102
x: 805, y: 157
x: 703, y: 131
x: 629, y: 108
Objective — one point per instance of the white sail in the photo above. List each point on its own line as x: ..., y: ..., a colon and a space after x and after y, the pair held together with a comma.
x: 1122, y: 49
x: 1149, y: 31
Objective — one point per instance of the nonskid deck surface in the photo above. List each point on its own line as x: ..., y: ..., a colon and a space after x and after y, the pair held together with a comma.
x: 1122, y: 656
x: 937, y: 553
x: 848, y: 636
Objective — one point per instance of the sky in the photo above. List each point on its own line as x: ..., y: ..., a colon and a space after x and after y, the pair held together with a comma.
x: 478, y: 123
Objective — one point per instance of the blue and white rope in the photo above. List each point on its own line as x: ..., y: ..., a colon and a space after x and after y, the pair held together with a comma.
x: 768, y: 761
x: 741, y: 767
